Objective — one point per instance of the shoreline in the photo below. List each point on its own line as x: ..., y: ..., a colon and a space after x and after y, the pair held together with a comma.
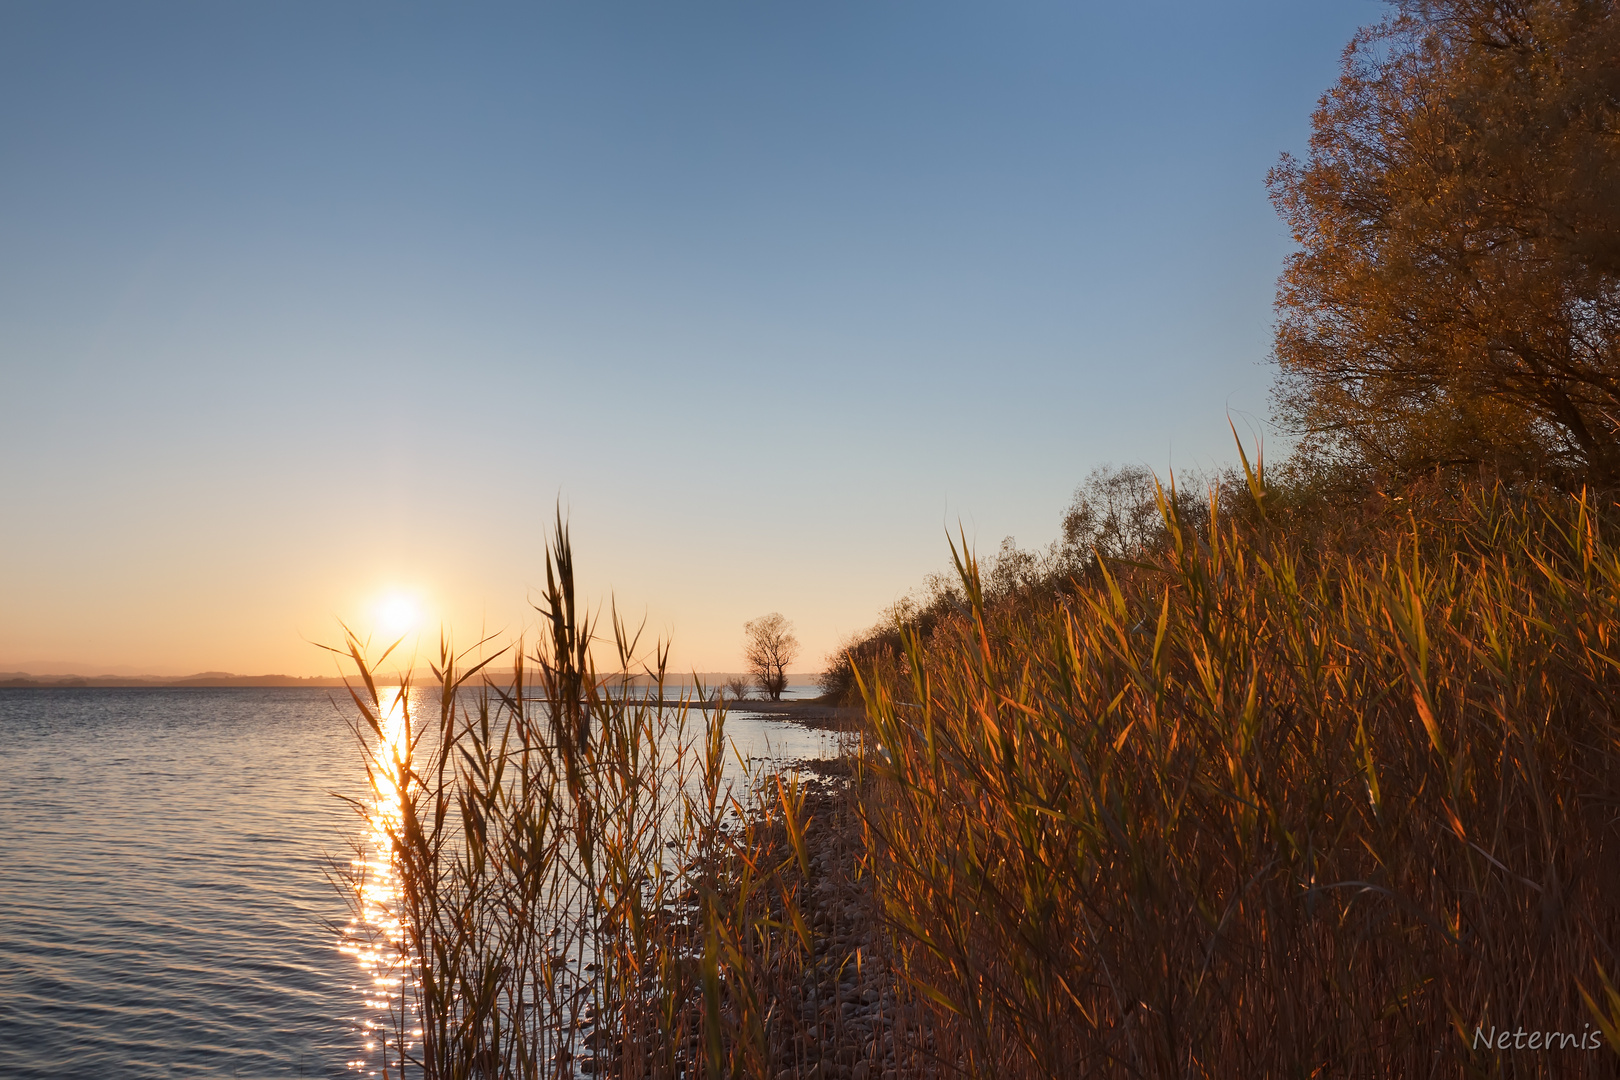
x: 812, y: 712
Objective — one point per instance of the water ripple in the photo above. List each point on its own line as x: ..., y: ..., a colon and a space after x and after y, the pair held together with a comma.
x: 163, y: 910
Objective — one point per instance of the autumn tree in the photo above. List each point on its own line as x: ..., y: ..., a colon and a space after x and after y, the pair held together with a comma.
x: 769, y: 647
x: 1455, y: 298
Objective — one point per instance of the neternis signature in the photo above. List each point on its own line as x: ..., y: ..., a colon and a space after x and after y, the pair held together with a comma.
x: 1520, y: 1039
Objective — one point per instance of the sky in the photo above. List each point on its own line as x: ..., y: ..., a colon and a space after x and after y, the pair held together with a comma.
x: 319, y: 312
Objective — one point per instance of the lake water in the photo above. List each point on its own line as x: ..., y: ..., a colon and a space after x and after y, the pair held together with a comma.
x: 164, y: 910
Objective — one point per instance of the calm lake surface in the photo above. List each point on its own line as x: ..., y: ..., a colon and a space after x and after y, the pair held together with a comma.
x: 164, y: 909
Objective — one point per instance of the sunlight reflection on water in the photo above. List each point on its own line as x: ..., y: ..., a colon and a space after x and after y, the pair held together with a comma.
x: 165, y: 903
x: 374, y: 936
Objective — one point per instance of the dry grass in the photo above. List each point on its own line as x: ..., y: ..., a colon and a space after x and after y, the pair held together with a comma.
x: 1244, y: 808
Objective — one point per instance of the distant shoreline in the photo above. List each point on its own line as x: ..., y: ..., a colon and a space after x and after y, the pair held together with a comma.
x: 127, y: 682
x: 811, y: 711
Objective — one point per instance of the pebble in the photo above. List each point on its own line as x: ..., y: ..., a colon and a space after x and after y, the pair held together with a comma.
x: 846, y: 1003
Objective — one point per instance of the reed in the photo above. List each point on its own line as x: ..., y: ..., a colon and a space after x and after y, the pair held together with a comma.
x: 571, y: 884
x: 1250, y: 805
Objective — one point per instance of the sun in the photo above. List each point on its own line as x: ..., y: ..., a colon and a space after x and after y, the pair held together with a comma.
x: 398, y: 614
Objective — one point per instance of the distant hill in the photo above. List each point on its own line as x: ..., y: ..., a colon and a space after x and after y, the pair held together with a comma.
x: 204, y: 679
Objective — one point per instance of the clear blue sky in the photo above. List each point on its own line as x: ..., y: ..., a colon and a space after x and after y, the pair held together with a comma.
x: 305, y: 304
